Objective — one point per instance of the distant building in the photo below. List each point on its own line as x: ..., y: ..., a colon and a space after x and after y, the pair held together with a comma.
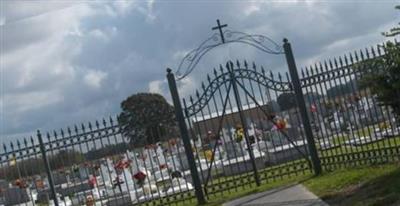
x: 255, y: 119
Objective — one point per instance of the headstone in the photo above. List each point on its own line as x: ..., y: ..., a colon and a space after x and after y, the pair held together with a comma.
x: 105, y: 175
x: 287, y: 152
x: 161, y: 175
x: 150, y: 161
x: 173, y: 163
x: 129, y: 182
x: 160, y: 156
x: 180, y: 159
x: 59, y: 178
x: 234, y: 150
x: 179, y: 185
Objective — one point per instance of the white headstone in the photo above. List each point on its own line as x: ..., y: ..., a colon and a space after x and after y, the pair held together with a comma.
x: 160, y: 156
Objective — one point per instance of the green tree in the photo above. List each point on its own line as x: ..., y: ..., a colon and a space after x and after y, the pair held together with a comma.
x: 147, y: 118
x: 383, y: 76
x: 342, y: 89
x: 393, y: 31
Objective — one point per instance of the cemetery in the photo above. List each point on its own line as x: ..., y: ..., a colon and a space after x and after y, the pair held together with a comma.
x: 163, y: 169
x: 244, y: 123
x: 158, y: 171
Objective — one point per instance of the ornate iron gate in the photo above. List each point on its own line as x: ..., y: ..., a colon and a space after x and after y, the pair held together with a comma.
x: 233, y: 132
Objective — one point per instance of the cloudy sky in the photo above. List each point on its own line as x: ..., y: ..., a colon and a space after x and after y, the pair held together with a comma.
x: 67, y: 62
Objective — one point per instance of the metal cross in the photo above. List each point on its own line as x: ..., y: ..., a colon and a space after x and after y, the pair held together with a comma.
x: 219, y: 27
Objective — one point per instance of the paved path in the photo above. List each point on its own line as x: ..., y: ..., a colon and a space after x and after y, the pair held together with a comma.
x: 294, y: 195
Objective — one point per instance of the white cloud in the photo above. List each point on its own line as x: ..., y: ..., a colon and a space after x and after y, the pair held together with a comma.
x: 187, y: 86
x: 150, y: 13
x: 124, y: 6
x: 94, y: 78
x: 253, y: 7
x: 24, y: 102
x: 341, y: 46
x: 157, y: 86
x: 103, y: 34
x: 97, y: 33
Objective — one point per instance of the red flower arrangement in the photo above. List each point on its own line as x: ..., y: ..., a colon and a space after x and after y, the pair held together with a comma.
x: 20, y: 183
x: 122, y: 164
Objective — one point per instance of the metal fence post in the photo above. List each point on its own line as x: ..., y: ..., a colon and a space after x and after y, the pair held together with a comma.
x: 243, y: 122
x: 47, y: 166
x: 302, y: 106
x: 185, y: 137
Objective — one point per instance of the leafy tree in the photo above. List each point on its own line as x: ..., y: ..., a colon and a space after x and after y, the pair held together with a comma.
x: 286, y: 101
x: 383, y: 76
x: 147, y: 118
x: 393, y: 31
x: 66, y: 158
x: 34, y: 166
x: 311, y: 97
x: 342, y: 89
x: 108, y: 150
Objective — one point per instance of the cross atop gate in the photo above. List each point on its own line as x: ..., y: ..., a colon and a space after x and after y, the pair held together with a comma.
x: 219, y: 27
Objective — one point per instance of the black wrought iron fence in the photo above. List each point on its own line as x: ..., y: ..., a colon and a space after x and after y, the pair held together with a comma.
x: 351, y: 126
x: 234, y: 136
x: 92, y: 164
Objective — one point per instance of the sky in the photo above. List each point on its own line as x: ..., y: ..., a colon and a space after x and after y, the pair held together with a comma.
x: 70, y: 62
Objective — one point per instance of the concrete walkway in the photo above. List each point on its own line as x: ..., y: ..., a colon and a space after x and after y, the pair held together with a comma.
x: 296, y: 195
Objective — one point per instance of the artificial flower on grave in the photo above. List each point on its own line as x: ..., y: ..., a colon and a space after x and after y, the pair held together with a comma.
x: 208, y: 154
x: 20, y: 183
x: 172, y: 142
x: 13, y: 161
x: 280, y: 123
x: 90, y: 200
x: 313, y: 108
x: 163, y: 166
x: 239, y: 133
x: 122, y: 164
x: 92, y: 181
x: 17, y: 182
x: 140, y: 176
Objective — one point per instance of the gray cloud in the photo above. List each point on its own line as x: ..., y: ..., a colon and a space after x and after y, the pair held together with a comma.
x: 63, y: 64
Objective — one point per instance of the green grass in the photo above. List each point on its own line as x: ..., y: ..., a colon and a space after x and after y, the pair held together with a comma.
x: 366, y: 185
x: 380, y: 151
x: 377, y: 185
x: 224, y: 188
x: 362, y: 185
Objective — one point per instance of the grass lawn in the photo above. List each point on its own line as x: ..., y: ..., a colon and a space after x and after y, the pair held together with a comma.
x: 376, y: 185
x: 367, y: 185
x: 357, y: 185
